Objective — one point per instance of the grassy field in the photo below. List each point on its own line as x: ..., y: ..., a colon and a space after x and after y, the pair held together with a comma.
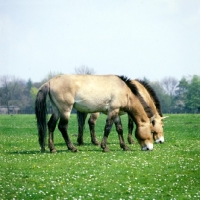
x: 170, y: 171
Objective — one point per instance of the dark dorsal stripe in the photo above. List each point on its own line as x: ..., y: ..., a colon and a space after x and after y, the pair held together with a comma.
x: 135, y: 91
x: 153, y: 95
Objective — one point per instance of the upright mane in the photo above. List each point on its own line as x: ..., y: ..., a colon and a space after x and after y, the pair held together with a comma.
x: 135, y: 91
x: 153, y: 95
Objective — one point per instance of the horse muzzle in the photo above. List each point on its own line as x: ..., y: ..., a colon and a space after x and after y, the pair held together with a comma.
x: 160, y: 140
x: 148, y: 147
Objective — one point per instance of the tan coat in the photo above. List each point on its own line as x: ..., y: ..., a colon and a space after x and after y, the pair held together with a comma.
x: 96, y: 93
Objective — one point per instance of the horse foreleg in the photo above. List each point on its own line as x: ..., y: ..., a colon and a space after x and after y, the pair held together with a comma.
x: 62, y: 126
x: 92, y: 121
x: 51, y: 127
x: 130, y: 130
x: 107, y: 130
x: 81, y: 125
x: 119, y: 130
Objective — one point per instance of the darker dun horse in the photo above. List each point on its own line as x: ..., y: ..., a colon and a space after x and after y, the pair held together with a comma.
x: 150, y: 97
x: 109, y: 94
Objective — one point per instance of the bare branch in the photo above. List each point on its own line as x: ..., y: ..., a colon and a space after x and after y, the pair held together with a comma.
x: 83, y: 69
x: 170, y: 85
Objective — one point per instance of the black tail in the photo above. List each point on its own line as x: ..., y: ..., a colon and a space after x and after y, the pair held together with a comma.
x: 41, y: 114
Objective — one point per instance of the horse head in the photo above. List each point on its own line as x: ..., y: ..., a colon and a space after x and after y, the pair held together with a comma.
x: 144, y: 136
x: 157, y: 129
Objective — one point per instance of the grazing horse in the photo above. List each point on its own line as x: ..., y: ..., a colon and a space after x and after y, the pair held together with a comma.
x: 109, y: 94
x: 150, y: 97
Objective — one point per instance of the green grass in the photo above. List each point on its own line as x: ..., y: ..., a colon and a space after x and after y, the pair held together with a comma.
x: 170, y: 171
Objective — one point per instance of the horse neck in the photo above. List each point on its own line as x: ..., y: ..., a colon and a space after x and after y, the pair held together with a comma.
x: 136, y: 111
x: 153, y: 107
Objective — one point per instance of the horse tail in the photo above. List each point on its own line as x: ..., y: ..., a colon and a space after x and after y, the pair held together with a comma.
x: 41, y: 114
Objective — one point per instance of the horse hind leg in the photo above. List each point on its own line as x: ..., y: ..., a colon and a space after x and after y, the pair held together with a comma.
x: 63, y: 126
x: 91, y: 122
x: 81, y: 125
x: 51, y: 128
x: 107, y: 129
x: 119, y: 130
x: 130, y: 130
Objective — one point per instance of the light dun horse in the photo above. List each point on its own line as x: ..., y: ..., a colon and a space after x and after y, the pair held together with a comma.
x: 149, y: 96
x: 108, y: 94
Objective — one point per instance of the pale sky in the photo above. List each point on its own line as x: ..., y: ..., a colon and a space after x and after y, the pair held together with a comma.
x: 137, y: 38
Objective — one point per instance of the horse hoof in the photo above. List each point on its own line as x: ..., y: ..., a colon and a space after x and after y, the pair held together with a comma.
x: 42, y: 150
x: 131, y: 141
x: 53, y: 151
x: 74, y: 150
x: 95, y: 143
x: 106, y: 150
x: 80, y: 143
x: 126, y: 149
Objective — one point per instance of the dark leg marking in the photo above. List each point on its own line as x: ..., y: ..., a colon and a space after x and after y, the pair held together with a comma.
x: 81, y: 125
x: 119, y: 130
x: 130, y: 130
x: 92, y: 122
x: 51, y: 128
x: 63, y: 125
x: 107, y: 130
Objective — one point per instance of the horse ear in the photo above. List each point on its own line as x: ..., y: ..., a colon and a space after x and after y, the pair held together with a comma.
x: 152, y: 118
x: 164, y: 117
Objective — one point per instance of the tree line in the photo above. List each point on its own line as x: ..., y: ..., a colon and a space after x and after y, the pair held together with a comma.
x: 176, y: 96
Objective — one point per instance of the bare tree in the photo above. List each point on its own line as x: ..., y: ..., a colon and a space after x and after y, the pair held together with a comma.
x: 170, y: 85
x: 83, y: 69
x: 49, y: 76
x: 9, y: 85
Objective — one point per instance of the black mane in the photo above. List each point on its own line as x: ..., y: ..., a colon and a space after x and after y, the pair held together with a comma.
x: 153, y: 95
x: 135, y: 91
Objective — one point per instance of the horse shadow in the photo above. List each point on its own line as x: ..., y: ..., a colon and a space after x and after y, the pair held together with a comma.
x: 96, y: 148
x: 24, y: 152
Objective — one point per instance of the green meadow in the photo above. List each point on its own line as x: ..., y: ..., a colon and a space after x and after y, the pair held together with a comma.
x: 170, y: 171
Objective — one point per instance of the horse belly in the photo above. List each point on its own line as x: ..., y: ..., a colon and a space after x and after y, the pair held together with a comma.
x: 91, y: 106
